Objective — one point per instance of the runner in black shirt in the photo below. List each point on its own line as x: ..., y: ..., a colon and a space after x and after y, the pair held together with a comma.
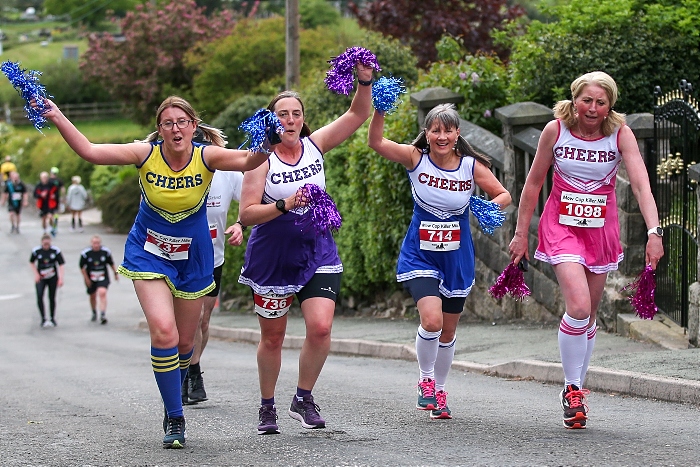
x: 15, y: 196
x: 48, y: 271
x: 93, y: 264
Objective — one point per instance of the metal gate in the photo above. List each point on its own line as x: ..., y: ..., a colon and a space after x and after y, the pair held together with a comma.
x: 676, y: 146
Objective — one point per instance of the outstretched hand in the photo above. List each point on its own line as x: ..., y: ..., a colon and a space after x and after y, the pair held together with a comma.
x: 51, y: 109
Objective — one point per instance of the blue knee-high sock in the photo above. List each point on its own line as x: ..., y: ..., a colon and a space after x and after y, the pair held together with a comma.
x: 185, y: 364
x: 166, y: 368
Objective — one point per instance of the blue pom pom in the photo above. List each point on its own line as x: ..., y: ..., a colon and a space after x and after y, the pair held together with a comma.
x: 27, y: 85
x: 488, y: 214
x: 386, y: 93
x: 257, y: 128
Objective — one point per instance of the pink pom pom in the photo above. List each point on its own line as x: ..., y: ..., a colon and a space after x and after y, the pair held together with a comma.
x: 644, y: 287
x: 511, y: 281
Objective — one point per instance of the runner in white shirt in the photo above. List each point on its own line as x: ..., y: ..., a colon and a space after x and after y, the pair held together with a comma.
x: 225, y: 187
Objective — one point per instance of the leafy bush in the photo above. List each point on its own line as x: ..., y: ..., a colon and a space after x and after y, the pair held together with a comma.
x: 315, y: 13
x: 66, y: 83
x: 233, y: 257
x: 482, y: 80
x: 120, y: 205
x: 640, y: 44
x: 421, y: 23
x: 149, y: 64
x: 251, y: 60
x: 105, y: 178
x: 230, y: 119
x: 374, y: 198
x: 323, y: 106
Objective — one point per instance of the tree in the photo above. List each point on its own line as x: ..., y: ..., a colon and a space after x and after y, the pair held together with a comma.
x: 148, y: 65
x: 89, y: 12
x: 315, y: 13
x: 639, y: 44
x: 421, y: 23
x: 251, y: 60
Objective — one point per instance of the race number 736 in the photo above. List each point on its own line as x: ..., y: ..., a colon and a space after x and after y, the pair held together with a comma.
x: 275, y: 303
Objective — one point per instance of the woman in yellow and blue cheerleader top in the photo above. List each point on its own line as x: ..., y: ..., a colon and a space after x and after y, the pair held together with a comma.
x: 168, y: 252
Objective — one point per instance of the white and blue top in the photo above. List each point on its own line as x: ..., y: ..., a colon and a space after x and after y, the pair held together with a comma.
x: 438, y: 242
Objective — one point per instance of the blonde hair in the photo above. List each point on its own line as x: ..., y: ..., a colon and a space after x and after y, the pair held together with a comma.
x: 212, y: 134
x: 76, y: 179
x: 564, y: 109
x: 447, y: 115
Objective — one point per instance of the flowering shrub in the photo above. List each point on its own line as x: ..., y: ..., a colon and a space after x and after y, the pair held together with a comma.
x: 482, y: 79
x: 148, y: 65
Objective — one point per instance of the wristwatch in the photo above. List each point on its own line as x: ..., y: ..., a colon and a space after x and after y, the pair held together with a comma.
x: 243, y: 227
x: 658, y: 231
x: 280, y: 204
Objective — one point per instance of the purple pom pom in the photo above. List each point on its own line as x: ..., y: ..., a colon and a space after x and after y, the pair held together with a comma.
x: 27, y: 85
x: 488, y: 213
x: 257, y: 128
x: 386, y: 92
x: 339, y: 78
x: 644, y: 287
x: 511, y: 281
x: 322, y: 210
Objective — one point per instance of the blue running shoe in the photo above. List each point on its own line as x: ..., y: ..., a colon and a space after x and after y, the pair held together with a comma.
x: 426, y: 395
x: 175, y: 434
x: 441, y: 411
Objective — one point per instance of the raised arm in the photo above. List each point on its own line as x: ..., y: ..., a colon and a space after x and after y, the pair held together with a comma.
x: 531, y: 190
x: 102, y: 154
x: 639, y: 180
x: 343, y: 127
x: 404, y: 154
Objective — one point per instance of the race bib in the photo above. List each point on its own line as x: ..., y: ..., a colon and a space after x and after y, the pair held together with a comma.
x: 47, y: 273
x: 582, y: 210
x: 213, y: 231
x: 97, y: 276
x: 16, y: 196
x: 272, y: 305
x: 439, y: 236
x: 171, y: 248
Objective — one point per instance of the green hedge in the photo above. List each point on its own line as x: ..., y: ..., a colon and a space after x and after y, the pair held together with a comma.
x: 640, y: 44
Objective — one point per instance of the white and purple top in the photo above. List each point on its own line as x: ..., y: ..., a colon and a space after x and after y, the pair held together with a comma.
x: 284, y: 253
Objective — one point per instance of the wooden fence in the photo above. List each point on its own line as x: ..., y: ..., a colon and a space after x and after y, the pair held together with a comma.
x: 75, y: 112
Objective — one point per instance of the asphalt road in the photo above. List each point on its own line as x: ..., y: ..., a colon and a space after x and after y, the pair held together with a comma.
x: 84, y: 394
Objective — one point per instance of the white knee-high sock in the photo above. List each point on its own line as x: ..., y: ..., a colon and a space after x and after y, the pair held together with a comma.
x: 443, y: 363
x: 426, y: 351
x: 572, y: 347
x: 590, y: 333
